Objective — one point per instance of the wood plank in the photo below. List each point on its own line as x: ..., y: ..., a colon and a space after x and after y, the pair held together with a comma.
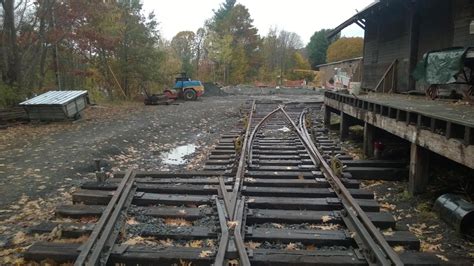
x: 305, y: 257
x: 326, y: 237
x: 176, y: 188
x: 267, y: 182
x: 221, y: 157
x: 377, y: 173
x: 317, y: 204
x: 195, y: 181
x: 170, y: 199
x: 220, y: 162
x: 283, y: 174
x: 276, y: 152
x: 68, y: 230
x: 174, y: 212
x: 375, y: 163
x: 262, y: 147
x: 100, y: 197
x: 187, y: 174
x: 180, y: 233
x: 79, y: 210
x: 302, y: 192
x: 279, y: 162
x: 382, y: 220
x: 275, y: 168
x: 60, y: 252
x: 316, y: 237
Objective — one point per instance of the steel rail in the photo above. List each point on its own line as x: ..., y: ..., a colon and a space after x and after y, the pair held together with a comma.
x: 224, y: 241
x: 239, y: 176
x: 239, y: 242
x: 375, y: 248
x: 378, y: 248
x: 254, y: 133
x: 235, y: 229
x: 95, y: 251
x: 232, y: 211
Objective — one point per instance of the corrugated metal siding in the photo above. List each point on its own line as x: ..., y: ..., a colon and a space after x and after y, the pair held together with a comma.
x: 54, y: 97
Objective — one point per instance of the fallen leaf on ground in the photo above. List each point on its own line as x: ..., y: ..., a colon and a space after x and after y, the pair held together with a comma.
x: 388, y: 232
x: 443, y: 258
x: 291, y: 246
x: 177, y: 222
x: 279, y: 226
x: 19, y: 238
x: 195, y: 244
x: 253, y: 245
x: 205, y: 254
x: 388, y: 206
x: 210, y: 243
x: 326, y: 218
x: 427, y: 247
x: 325, y: 227
x: 232, y: 224
x: 167, y: 242
x: 399, y: 249
x: 137, y: 241
x: 185, y: 263
x: 132, y: 221
x: 233, y: 263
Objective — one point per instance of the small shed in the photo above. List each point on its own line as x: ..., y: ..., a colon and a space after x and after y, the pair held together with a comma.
x: 352, y: 67
x: 56, y: 105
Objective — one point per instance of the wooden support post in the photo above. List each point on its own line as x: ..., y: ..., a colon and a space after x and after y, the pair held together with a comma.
x: 369, y: 134
x: 419, y: 168
x: 327, y: 116
x: 344, y: 126
x: 468, y: 136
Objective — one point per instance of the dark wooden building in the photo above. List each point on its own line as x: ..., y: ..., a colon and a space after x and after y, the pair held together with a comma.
x: 404, y: 30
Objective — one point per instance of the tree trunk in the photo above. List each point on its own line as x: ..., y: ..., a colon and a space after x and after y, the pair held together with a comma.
x: 11, y: 70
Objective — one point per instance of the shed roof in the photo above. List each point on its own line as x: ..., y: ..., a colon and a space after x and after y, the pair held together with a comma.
x: 54, y: 97
x: 356, y: 18
x: 339, y: 62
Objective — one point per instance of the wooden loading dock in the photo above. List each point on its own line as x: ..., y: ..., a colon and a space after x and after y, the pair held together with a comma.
x: 430, y: 126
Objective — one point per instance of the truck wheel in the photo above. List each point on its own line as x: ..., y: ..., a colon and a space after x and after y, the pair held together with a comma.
x: 190, y: 95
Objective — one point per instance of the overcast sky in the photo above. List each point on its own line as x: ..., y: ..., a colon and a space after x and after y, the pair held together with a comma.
x: 301, y: 16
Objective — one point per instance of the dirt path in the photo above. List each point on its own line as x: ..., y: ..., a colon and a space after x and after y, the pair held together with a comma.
x: 43, y: 163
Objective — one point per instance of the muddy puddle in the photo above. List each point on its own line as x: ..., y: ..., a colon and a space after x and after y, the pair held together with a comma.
x: 177, y: 156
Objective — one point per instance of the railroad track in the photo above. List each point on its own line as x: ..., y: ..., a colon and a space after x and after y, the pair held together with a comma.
x: 271, y: 193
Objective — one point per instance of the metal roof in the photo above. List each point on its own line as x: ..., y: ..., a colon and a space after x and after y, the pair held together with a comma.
x: 339, y: 62
x: 54, y: 97
x: 355, y: 19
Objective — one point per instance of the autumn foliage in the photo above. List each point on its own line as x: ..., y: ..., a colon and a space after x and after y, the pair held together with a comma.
x: 113, y: 50
x: 345, y: 48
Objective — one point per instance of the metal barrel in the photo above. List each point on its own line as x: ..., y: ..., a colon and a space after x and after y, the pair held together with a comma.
x: 457, y: 212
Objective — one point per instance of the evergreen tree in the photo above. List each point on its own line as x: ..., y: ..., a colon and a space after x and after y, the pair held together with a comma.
x: 317, y: 47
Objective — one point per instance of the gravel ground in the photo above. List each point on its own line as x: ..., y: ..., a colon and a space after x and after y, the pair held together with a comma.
x: 42, y: 164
